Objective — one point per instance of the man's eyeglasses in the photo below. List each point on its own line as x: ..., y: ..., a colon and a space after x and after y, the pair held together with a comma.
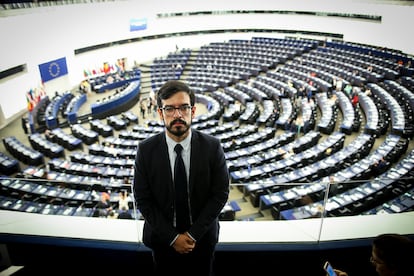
x: 170, y: 110
x: 375, y: 261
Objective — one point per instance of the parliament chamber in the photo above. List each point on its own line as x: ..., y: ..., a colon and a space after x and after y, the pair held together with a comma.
x: 317, y: 135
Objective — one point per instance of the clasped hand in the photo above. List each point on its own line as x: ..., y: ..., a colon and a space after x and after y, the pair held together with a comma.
x: 184, y: 244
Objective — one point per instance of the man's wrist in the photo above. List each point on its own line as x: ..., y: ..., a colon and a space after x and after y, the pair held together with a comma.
x: 188, y: 234
x: 173, y: 241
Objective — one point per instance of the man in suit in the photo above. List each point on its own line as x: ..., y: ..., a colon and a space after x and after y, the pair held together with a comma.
x: 188, y: 251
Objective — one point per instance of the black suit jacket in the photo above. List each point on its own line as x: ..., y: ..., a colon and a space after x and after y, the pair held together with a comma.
x: 154, y: 188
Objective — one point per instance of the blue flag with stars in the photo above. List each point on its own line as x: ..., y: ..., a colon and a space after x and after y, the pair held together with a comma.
x: 53, y: 69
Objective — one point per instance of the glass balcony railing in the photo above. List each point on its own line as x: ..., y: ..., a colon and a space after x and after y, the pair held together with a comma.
x: 264, y: 212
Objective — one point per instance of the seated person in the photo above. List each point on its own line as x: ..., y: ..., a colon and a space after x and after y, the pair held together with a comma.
x: 104, y: 205
x: 392, y: 255
x: 124, y: 214
x: 380, y: 166
x: 294, y: 126
x: 112, y: 214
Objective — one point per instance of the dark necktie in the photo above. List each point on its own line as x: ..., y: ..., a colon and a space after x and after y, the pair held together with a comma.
x: 181, y: 193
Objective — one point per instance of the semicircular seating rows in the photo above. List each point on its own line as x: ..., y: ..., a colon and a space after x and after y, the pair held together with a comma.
x: 292, y: 114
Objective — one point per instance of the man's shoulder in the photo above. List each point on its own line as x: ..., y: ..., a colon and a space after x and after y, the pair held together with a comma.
x: 156, y: 138
x: 201, y: 135
x: 205, y: 140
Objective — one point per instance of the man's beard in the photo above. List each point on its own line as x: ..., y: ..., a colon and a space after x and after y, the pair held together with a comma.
x: 178, y: 130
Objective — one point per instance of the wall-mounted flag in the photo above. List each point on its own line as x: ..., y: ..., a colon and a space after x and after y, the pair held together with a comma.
x: 137, y: 24
x: 53, y: 69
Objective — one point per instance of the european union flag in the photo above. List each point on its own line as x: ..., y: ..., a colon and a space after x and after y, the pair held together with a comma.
x: 53, y: 69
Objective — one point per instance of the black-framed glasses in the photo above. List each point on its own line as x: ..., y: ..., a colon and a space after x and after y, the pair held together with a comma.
x: 170, y: 110
x: 375, y: 261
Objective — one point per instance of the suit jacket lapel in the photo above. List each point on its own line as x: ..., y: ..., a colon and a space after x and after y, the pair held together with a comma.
x: 194, y: 158
x: 163, y: 156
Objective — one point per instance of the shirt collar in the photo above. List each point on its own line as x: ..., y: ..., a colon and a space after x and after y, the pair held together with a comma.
x: 184, y: 143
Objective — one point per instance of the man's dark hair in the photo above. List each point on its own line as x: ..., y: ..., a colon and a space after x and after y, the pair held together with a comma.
x: 396, y: 251
x: 170, y: 88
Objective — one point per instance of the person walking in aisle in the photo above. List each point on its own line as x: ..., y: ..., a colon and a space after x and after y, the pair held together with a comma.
x: 182, y: 236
